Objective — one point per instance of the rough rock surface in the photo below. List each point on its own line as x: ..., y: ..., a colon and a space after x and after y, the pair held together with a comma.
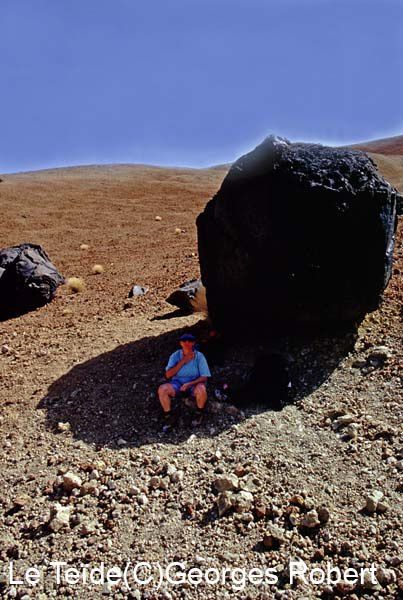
x: 28, y: 279
x: 190, y: 297
x: 298, y: 234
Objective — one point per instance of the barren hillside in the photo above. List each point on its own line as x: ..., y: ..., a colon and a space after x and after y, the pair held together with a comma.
x: 77, y: 395
x: 388, y: 146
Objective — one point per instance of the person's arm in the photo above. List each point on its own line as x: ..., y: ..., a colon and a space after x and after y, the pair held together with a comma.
x: 204, y: 372
x: 169, y: 373
x: 173, y: 370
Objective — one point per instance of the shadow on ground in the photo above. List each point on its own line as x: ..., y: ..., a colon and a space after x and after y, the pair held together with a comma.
x: 113, y: 396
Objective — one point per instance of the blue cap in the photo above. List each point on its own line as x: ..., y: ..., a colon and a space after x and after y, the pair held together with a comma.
x: 187, y: 337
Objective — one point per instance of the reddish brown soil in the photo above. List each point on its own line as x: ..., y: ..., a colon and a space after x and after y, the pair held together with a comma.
x: 113, y: 210
x: 387, y: 146
x: 93, y: 360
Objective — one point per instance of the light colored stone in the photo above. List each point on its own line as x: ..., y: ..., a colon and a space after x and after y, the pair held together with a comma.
x: 371, y: 501
x: 346, y: 419
x: 226, y: 482
x: 89, y: 487
x: 243, y: 501
x: 177, y: 476
x: 368, y: 583
x: 225, y: 502
x: 164, y: 483
x: 63, y: 427
x: 249, y: 483
x: 99, y: 465
x: 274, y: 536
x: 310, y: 520
x: 22, y: 500
x: 71, y: 481
x: 59, y: 517
x: 380, y: 352
x: 171, y: 469
x: 382, y: 507
x: 88, y: 527
x: 294, y: 518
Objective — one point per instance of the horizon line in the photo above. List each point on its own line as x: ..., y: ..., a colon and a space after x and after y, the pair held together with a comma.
x: 219, y: 164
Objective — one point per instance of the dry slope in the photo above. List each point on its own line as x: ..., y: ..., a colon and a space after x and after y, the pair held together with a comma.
x: 77, y: 383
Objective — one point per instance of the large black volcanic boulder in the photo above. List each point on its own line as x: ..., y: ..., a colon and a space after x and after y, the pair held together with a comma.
x: 28, y: 279
x: 298, y: 235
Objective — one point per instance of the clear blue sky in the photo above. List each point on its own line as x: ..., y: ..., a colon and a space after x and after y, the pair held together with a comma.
x: 193, y: 82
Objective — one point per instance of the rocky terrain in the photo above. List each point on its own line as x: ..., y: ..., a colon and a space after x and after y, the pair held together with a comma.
x: 87, y: 477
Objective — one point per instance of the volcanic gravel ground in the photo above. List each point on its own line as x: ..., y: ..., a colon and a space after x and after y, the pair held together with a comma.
x: 86, y: 474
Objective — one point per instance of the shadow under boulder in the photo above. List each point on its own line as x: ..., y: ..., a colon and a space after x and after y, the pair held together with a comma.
x: 111, y: 400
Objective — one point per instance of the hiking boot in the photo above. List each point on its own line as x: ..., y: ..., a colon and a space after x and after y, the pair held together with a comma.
x: 168, y: 422
x: 199, y: 418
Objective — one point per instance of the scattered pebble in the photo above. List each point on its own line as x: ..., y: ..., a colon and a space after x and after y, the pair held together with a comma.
x: 224, y: 503
x: 63, y: 427
x: 97, y: 269
x: 71, y: 481
x: 226, y: 482
x: 274, y: 537
x: 59, y: 517
x: 310, y: 520
x: 22, y: 500
x: 372, y: 500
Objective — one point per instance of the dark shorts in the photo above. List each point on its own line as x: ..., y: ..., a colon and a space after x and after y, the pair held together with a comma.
x: 177, y: 387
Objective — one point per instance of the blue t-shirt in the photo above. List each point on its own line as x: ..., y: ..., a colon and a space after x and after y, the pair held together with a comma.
x: 195, y: 368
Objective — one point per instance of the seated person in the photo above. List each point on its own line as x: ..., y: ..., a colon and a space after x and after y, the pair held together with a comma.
x: 188, y: 371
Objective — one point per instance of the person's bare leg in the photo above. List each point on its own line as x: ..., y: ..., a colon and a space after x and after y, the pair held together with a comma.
x: 166, y: 392
x: 200, y: 394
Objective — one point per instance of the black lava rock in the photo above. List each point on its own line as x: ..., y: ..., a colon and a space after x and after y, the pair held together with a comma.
x: 299, y: 235
x: 188, y: 297
x: 28, y: 279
